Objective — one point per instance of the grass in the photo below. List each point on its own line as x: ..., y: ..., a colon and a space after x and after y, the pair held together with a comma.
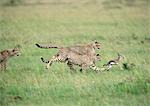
x: 124, y: 29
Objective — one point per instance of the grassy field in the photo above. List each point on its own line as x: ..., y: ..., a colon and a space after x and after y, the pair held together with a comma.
x: 122, y: 27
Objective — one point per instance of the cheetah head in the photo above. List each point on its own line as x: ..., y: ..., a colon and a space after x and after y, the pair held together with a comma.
x: 15, y: 52
x: 97, y: 45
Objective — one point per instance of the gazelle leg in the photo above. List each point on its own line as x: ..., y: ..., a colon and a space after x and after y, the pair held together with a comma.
x: 95, y: 68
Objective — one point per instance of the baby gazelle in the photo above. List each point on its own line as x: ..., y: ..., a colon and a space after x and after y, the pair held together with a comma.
x: 113, y: 62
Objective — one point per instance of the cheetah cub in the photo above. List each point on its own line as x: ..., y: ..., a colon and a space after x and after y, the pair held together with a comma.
x: 5, y: 55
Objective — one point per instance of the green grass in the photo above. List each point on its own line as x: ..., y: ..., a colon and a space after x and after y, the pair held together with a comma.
x: 122, y: 29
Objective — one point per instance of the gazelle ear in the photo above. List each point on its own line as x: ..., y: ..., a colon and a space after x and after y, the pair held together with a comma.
x: 118, y: 54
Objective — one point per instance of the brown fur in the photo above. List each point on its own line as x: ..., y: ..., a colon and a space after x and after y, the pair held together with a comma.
x: 73, y: 54
x: 83, y: 61
x: 80, y: 49
x: 112, y: 62
x: 5, y: 55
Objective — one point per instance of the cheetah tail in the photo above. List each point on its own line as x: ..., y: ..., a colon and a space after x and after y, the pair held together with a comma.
x: 47, y: 46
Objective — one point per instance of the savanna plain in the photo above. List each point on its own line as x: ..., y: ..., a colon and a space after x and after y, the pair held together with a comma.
x: 119, y: 25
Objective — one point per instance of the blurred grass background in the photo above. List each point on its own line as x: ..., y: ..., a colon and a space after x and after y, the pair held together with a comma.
x: 120, y: 25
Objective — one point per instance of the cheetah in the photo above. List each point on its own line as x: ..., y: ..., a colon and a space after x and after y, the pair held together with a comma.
x: 73, y: 53
x: 5, y: 55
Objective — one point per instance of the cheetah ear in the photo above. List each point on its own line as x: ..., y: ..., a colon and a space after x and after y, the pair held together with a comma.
x: 95, y: 42
x: 119, y: 55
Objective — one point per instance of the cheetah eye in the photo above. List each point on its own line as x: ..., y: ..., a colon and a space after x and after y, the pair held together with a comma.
x: 96, y: 42
x: 13, y: 50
